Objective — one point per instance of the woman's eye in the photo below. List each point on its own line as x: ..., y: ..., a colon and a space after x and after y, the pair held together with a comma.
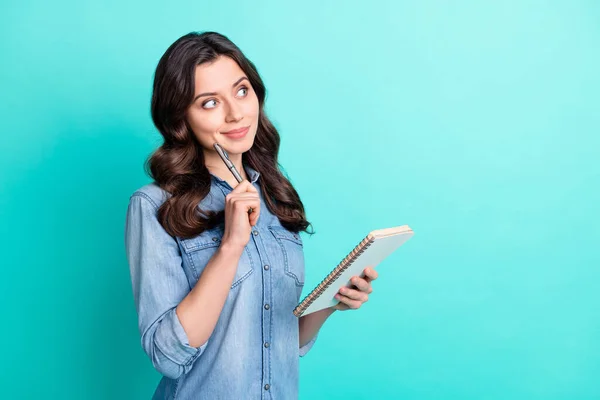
x: 207, y: 102
x: 243, y: 88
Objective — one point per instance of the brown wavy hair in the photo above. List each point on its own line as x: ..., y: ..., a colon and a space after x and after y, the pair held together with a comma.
x: 178, y: 165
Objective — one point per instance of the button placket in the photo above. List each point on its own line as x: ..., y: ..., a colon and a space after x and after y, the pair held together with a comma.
x: 267, y: 313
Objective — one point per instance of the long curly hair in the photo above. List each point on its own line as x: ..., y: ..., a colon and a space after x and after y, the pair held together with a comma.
x: 178, y: 165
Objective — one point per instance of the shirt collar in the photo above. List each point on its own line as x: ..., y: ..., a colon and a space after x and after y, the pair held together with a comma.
x: 253, y: 175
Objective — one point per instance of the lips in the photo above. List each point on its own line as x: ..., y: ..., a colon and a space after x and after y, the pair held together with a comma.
x: 234, y: 131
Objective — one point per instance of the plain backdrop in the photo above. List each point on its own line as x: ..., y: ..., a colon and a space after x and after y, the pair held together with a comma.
x: 474, y: 122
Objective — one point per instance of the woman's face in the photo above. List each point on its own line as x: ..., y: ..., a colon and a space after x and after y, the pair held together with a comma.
x: 224, y: 101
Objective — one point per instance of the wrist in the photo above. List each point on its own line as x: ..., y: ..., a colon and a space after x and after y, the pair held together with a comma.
x: 230, y: 250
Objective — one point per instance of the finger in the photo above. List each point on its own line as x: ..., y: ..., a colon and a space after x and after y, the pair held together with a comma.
x: 354, y: 294
x: 247, y: 204
x: 254, y: 216
x: 370, y: 274
x: 244, y: 195
x: 361, y: 284
x: 253, y: 213
x: 353, y: 304
x: 251, y: 189
x: 233, y: 196
x: 241, y: 206
x: 253, y: 219
x: 244, y: 198
x: 243, y: 186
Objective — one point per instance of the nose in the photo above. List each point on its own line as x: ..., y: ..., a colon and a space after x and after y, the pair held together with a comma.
x: 234, y: 113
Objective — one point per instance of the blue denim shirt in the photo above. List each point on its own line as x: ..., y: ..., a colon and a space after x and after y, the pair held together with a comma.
x: 253, y: 352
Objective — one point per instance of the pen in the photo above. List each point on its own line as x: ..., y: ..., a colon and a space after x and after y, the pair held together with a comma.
x: 228, y: 162
x: 225, y: 157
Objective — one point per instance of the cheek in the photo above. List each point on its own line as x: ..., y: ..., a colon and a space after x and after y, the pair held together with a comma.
x: 251, y: 107
x: 205, y: 124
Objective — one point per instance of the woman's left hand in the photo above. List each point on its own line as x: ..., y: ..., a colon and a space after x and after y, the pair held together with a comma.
x: 352, y: 298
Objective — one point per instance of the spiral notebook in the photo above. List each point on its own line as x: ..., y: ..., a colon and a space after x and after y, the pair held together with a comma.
x: 373, y: 249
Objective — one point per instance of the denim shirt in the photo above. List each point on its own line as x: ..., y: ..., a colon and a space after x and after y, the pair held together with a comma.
x: 253, y: 352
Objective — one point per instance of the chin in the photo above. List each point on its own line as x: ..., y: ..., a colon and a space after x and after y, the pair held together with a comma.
x: 239, y: 146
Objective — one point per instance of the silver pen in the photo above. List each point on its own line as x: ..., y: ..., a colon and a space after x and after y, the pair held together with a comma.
x: 228, y: 162
x: 225, y: 157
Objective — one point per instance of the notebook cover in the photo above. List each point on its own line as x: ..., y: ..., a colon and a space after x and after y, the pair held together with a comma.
x: 373, y: 249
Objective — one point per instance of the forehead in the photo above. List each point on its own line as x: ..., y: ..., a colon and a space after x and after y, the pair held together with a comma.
x: 217, y: 76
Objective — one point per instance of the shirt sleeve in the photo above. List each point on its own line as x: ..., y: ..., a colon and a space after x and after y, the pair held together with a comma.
x: 305, y: 349
x: 159, y: 284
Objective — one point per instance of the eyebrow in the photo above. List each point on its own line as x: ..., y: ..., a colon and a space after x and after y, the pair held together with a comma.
x: 214, y: 94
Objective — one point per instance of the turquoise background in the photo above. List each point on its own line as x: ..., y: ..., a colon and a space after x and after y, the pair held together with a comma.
x: 476, y: 123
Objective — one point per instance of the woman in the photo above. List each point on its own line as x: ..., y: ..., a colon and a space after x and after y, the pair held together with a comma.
x: 217, y: 267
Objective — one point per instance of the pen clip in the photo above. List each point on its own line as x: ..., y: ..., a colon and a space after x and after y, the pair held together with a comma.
x: 226, y: 155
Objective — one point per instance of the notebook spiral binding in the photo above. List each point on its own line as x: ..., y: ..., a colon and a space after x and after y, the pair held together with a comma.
x: 329, y: 279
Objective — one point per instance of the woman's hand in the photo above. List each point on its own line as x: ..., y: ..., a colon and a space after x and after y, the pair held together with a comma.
x: 238, y: 223
x: 354, y: 297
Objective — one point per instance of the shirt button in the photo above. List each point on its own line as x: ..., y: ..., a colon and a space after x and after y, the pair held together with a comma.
x: 266, y: 267
x: 267, y: 386
x: 267, y: 345
x: 255, y: 233
x: 267, y: 306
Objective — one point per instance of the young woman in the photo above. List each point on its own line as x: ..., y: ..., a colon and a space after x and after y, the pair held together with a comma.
x: 217, y: 267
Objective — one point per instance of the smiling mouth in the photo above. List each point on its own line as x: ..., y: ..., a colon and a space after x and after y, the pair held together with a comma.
x: 236, y: 133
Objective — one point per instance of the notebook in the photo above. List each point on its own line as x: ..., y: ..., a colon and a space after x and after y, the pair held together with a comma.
x: 373, y: 249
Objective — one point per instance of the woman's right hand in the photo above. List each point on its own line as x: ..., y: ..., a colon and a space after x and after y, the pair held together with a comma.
x: 238, y: 223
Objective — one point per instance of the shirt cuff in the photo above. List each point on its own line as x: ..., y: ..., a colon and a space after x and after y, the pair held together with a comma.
x: 304, y: 349
x: 173, y: 342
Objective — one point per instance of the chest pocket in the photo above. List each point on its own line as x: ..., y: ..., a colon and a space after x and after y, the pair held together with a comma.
x: 292, y: 252
x: 200, y: 249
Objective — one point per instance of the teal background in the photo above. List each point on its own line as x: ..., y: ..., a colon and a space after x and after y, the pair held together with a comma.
x: 476, y: 123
